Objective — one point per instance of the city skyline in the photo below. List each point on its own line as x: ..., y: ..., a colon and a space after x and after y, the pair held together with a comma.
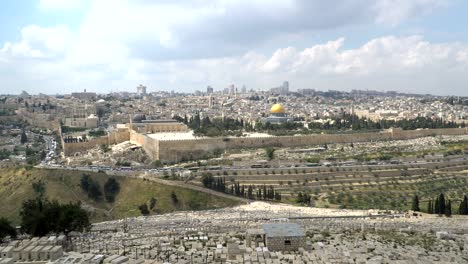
x: 417, y: 46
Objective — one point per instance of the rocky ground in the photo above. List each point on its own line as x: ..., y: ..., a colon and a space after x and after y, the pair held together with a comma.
x: 332, y: 236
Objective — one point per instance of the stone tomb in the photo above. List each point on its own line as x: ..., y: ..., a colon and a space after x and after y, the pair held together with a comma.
x: 284, y: 236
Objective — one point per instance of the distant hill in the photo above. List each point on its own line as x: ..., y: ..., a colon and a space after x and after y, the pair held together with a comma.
x: 64, y: 186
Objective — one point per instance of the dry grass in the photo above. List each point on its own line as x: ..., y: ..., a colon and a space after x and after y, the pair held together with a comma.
x: 62, y: 185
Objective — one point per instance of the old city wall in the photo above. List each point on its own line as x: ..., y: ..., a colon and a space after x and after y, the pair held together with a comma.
x: 297, y: 141
x: 111, y: 138
x: 177, y: 150
x: 409, y: 134
x: 150, y: 145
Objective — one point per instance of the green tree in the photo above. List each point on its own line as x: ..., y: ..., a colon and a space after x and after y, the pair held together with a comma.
x: 144, y: 209
x: 111, y: 189
x: 415, y: 204
x: 84, y: 182
x: 39, y: 188
x: 463, y: 208
x: 303, y: 198
x: 91, y: 187
x: 270, y: 153
x: 40, y: 217
x: 105, y: 148
x: 94, y: 190
x: 174, y: 198
x: 24, y: 138
x: 208, y: 180
x: 152, y: 203
x: 448, y: 209
x: 441, y: 202
x: 430, y: 207
x: 6, y: 229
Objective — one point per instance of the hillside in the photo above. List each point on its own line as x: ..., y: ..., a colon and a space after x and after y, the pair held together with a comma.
x: 64, y: 186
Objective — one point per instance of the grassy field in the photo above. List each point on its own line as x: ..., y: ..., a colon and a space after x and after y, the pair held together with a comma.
x: 64, y: 186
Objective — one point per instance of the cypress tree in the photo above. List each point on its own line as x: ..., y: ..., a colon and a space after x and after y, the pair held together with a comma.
x: 299, y: 197
x: 415, y: 205
x: 436, y: 206
x: 463, y: 209
x: 24, y: 138
x: 441, y: 204
x: 448, y: 209
x: 430, y: 209
x: 250, y: 192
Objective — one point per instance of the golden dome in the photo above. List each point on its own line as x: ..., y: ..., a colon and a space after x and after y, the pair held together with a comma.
x: 277, y: 109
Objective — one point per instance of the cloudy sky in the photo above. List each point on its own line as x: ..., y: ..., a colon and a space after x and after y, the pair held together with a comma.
x: 60, y: 46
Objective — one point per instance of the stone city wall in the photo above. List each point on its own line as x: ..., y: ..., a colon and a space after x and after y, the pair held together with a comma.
x: 409, y: 134
x: 150, y: 145
x: 177, y: 150
x: 115, y: 137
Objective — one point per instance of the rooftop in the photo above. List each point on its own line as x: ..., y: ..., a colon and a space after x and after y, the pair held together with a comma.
x: 189, y: 135
x: 173, y: 135
x: 283, y: 230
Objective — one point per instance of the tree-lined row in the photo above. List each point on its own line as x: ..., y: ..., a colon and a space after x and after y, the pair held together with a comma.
x: 441, y: 205
x: 228, y: 126
x: 250, y: 192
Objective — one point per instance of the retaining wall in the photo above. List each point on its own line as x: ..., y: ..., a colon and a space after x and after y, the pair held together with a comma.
x: 177, y: 150
x: 111, y: 138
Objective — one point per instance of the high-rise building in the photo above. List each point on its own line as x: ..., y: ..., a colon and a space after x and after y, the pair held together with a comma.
x: 244, y: 89
x: 141, y: 90
x: 306, y: 91
x: 285, y: 87
x: 209, y: 90
x: 84, y: 95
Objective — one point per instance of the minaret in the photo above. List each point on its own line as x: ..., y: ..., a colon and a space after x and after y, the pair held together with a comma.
x: 130, y: 128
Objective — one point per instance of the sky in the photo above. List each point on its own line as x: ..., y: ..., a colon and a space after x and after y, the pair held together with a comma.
x: 64, y: 46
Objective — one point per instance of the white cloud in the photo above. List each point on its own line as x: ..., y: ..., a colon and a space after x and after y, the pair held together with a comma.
x: 390, y: 63
x: 39, y: 42
x: 60, y: 5
x: 200, y: 29
x: 393, y: 12
x: 187, y: 45
x: 407, y: 64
